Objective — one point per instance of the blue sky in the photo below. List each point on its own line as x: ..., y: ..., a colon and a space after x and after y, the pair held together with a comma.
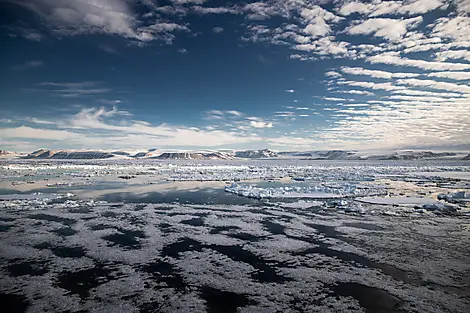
x: 196, y: 74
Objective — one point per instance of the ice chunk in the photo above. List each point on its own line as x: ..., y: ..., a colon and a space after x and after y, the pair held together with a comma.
x: 34, y: 196
x: 302, y: 205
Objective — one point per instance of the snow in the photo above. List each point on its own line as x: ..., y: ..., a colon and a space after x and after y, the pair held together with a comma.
x: 34, y: 196
x: 280, y: 193
x: 398, y: 200
x: 301, y: 205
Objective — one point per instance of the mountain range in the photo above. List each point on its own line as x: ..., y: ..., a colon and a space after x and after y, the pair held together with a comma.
x: 231, y: 154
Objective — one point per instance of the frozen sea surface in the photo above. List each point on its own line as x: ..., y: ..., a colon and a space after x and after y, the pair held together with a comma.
x: 149, y: 243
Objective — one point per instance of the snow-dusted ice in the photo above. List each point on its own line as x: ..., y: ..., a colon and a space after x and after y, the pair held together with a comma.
x: 277, y: 236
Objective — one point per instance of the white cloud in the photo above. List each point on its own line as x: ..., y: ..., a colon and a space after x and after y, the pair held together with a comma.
x: 218, y: 30
x: 261, y: 124
x: 290, y: 90
x: 378, y: 8
x: 333, y: 74
x: 112, y: 17
x: 393, y: 59
x: 391, y: 29
x: 215, y: 10
x: 37, y: 133
x: 453, y: 54
x: 317, y: 19
x: 451, y: 75
x: 188, y: 1
x: 355, y: 92
x: 376, y: 73
x: 371, y: 85
x: 435, y: 85
x: 455, y: 28
x: 103, y: 128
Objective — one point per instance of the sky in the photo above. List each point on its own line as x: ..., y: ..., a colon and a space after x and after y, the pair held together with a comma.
x: 214, y: 74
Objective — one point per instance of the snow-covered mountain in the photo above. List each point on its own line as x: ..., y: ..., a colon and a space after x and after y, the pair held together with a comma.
x: 256, y: 154
x: 412, y: 155
x: 245, y: 154
x: 324, y: 155
x: 5, y: 152
x: 194, y: 156
x: 68, y: 155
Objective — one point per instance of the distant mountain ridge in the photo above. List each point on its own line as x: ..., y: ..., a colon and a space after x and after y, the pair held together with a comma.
x: 68, y: 155
x: 5, y: 152
x: 231, y: 154
x: 256, y: 154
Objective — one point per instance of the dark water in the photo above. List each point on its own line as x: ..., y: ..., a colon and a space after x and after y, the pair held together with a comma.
x: 201, y: 196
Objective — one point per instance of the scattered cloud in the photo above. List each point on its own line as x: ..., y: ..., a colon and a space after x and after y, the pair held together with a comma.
x: 73, y: 90
x: 390, y: 29
x: 256, y: 124
x: 27, y: 65
x: 376, y: 73
x: 218, y: 30
x: 394, y: 59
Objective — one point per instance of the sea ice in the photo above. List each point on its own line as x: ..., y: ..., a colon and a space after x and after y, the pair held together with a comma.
x: 397, y: 200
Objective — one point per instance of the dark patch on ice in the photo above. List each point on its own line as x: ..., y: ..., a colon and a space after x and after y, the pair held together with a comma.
x: 185, y: 244
x: 80, y: 210
x: 81, y: 282
x: 164, y: 273
x: 218, y: 301
x: 42, y: 246
x: 273, y: 228
x: 194, y: 222
x: 109, y: 214
x: 265, y: 270
x: 13, y: 303
x: 165, y: 228
x: 139, y: 207
x: 53, y: 218
x: 7, y: 219
x: 69, y: 252
x: 324, y: 249
x: 66, y: 231
x: 220, y: 229
x: 150, y: 307
x: 327, y: 231
x: 373, y: 300
x: 366, y: 226
x: 4, y: 228
x: 126, y: 238
x: 261, y: 211
x: 246, y: 237
x: 101, y: 227
x: 200, y: 197
x: 33, y: 268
